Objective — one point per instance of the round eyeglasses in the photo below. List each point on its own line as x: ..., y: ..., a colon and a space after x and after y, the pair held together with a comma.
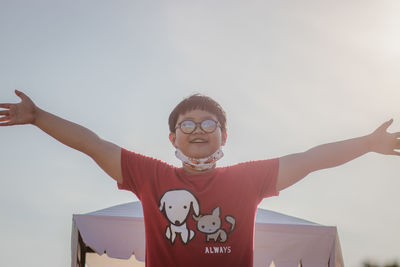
x: 189, y: 126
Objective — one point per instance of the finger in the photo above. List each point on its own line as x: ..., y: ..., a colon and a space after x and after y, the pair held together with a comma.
x: 6, y: 124
x: 20, y: 94
x: 396, y: 153
x: 5, y: 105
x: 386, y: 125
x: 4, y: 112
x: 397, y: 135
x: 5, y: 118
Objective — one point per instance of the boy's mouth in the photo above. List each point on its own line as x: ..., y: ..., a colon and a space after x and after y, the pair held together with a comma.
x: 198, y: 141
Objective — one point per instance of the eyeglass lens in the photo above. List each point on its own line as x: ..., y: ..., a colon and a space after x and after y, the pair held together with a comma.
x: 207, y: 126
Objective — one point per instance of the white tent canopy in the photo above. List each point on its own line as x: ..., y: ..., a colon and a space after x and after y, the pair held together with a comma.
x: 119, y: 232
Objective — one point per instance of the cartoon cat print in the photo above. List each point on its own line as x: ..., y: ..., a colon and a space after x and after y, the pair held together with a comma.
x: 211, y: 225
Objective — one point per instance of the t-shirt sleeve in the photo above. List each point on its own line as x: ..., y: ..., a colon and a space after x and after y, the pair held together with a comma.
x: 269, y: 181
x: 261, y: 176
x: 138, y: 170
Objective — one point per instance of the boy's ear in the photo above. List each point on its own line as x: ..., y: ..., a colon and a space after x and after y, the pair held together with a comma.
x: 172, y: 137
x: 224, y: 137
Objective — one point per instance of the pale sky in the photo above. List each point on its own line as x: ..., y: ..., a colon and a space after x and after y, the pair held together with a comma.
x: 290, y: 75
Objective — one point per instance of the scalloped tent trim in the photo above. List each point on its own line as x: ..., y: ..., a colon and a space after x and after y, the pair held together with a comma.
x: 280, y: 240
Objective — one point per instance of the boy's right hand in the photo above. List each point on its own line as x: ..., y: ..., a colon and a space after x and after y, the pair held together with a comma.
x: 23, y: 112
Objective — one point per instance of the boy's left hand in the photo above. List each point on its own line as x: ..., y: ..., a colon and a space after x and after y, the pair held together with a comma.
x: 383, y: 142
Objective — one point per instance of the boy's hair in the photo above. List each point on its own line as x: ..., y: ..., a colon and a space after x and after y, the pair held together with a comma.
x: 197, y: 101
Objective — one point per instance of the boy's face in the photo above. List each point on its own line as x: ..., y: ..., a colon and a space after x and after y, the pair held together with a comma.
x: 198, y: 144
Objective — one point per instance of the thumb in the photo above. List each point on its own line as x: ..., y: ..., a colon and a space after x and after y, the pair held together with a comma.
x: 20, y: 94
x: 386, y: 125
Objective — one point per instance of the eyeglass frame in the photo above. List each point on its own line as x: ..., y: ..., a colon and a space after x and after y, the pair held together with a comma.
x: 198, y: 125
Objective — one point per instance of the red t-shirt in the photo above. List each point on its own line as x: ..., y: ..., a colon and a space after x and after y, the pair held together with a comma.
x: 198, y: 219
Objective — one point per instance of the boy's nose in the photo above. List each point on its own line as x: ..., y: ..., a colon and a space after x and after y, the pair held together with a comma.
x: 198, y: 130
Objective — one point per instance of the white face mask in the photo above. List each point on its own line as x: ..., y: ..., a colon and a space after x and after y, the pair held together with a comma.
x: 200, y: 164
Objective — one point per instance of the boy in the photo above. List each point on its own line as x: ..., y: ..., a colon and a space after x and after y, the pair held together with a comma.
x: 198, y: 215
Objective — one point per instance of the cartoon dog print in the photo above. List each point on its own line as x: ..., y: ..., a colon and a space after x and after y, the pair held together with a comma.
x: 176, y: 205
x: 210, y: 224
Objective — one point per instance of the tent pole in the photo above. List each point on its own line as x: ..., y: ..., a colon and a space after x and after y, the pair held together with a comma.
x: 82, y: 251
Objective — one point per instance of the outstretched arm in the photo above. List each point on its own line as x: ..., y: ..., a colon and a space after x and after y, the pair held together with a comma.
x: 107, y: 155
x: 294, y: 167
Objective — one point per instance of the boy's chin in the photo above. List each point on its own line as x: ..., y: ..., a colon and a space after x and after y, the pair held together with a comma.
x: 198, y: 155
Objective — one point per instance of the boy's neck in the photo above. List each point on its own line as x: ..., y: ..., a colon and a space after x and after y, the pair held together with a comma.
x: 190, y: 170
